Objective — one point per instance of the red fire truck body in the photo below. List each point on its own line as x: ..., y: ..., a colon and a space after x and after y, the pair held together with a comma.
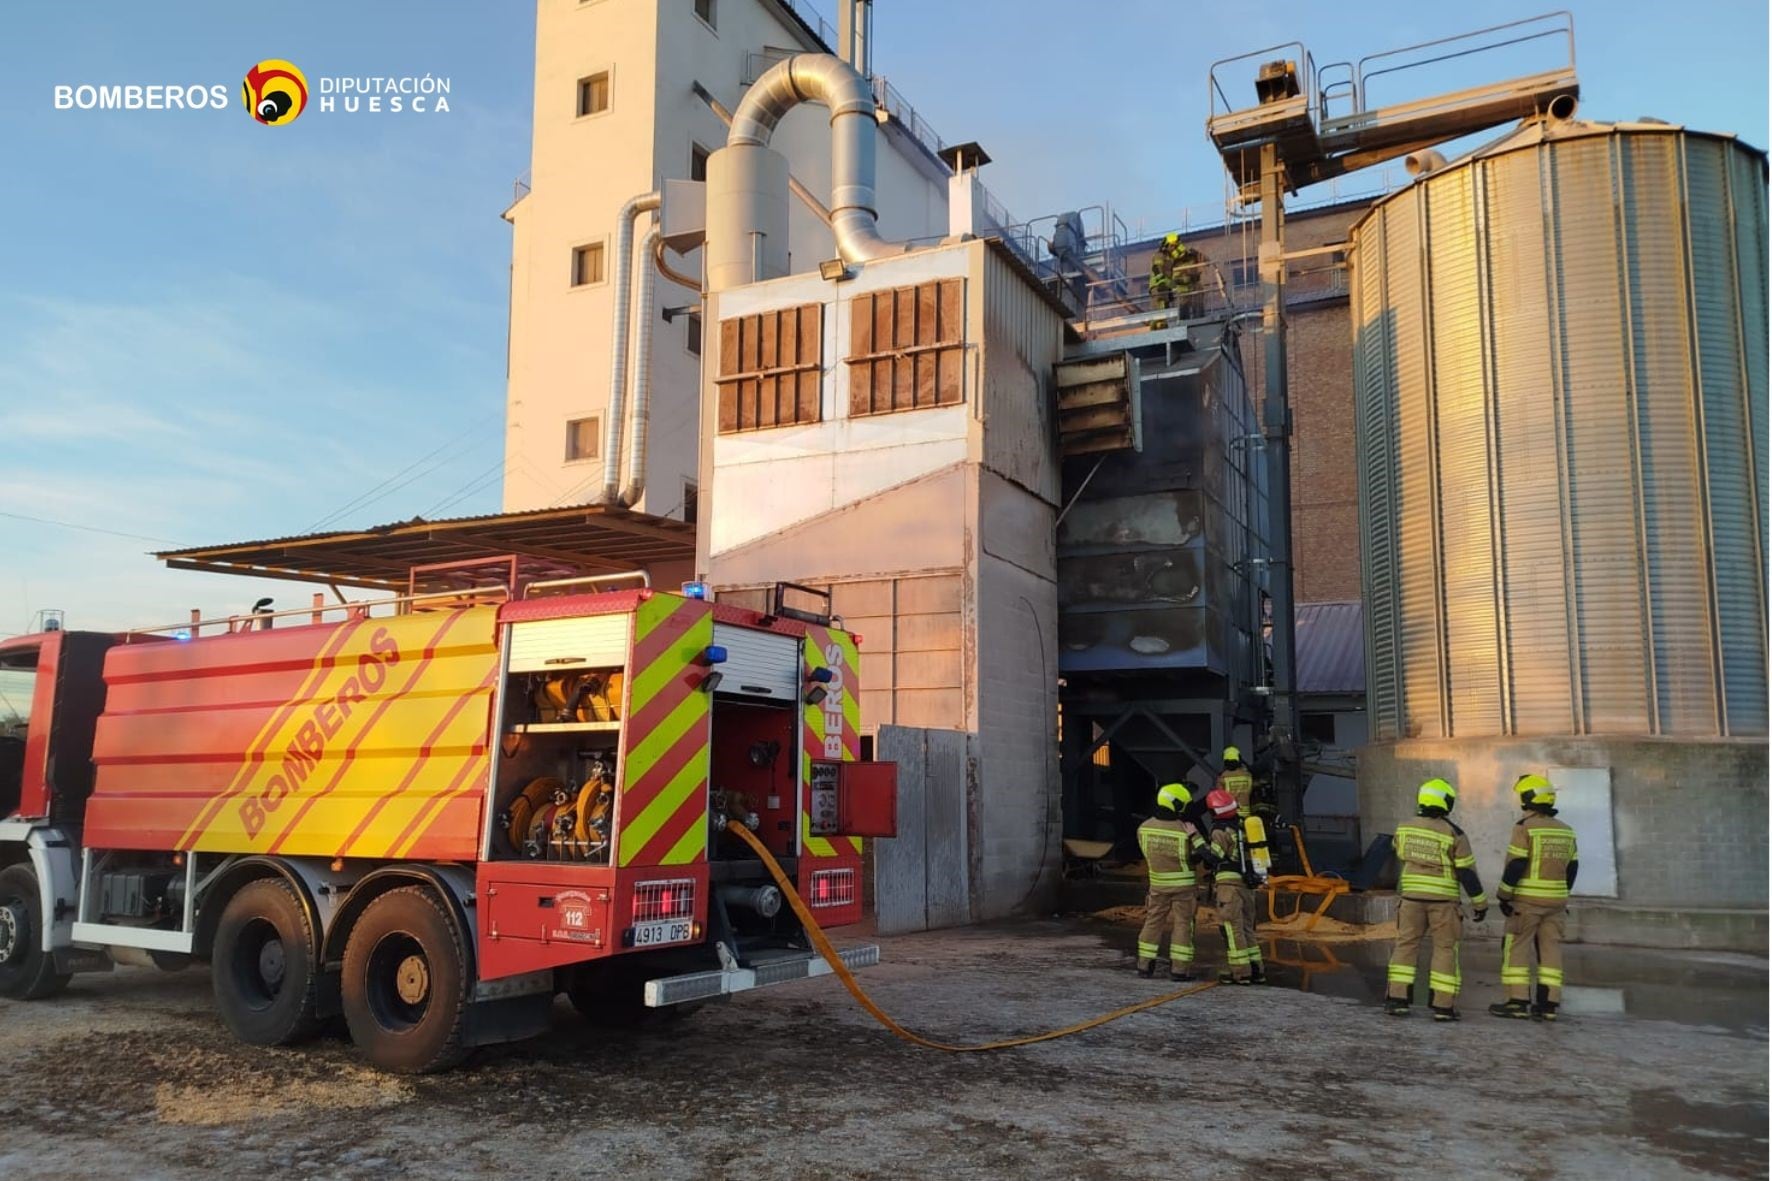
x: 434, y: 814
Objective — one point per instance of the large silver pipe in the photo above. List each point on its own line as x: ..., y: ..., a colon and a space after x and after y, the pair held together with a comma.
x: 642, y: 423
x: 620, y: 279
x: 822, y: 78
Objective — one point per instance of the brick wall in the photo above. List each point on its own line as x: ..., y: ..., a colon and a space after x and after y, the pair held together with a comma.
x: 1319, y: 343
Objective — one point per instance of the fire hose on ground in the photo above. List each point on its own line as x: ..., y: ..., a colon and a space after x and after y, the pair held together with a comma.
x: 823, y: 945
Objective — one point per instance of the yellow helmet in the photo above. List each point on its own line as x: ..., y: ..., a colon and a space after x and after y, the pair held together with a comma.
x: 1535, y: 789
x: 1174, y: 796
x: 1436, y: 793
x: 1231, y: 752
x: 1171, y: 239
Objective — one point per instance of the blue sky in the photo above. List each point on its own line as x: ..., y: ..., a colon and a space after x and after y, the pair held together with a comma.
x: 212, y: 330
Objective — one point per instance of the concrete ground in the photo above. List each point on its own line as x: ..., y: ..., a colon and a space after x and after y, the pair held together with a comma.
x: 1659, y: 1071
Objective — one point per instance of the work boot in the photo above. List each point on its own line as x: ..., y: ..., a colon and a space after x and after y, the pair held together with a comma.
x: 1517, y: 1009
x: 1446, y: 1014
x: 1544, y: 1011
x: 1226, y: 978
x: 1182, y: 975
x: 1394, y: 1007
x: 1146, y: 971
x: 1257, y: 976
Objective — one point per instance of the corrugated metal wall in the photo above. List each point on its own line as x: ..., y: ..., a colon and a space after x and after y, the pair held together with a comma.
x: 1560, y: 384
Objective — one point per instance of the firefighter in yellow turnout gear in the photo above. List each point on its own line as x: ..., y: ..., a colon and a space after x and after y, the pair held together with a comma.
x: 1534, y: 894
x: 1168, y: 843
x: 1236, y: 780
x: 1436, y: 861
x: 1175, y: 272
x: 1233, y: 883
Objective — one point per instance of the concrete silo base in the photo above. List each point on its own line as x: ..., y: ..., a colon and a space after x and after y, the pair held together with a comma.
x: 1685, y: 819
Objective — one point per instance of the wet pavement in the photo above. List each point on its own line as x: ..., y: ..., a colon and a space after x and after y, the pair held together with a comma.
x: 1660, y: 1072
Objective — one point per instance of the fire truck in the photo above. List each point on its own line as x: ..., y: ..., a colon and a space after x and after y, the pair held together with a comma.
x: 434, y: 813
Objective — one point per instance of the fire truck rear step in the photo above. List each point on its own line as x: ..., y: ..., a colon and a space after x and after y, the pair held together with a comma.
x: 766, y: 969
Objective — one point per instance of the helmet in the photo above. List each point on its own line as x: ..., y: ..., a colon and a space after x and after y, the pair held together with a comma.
x: 1171, y: 239
x: 1174, y: 796
x: 1222, y: 803
x: 1436, y: 793
x: 1231, y: 754
x: 1535, y: 789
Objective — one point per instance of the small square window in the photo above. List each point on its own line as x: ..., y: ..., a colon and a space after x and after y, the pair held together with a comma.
x: 691, y: 502
x: 692, y: 332
x: 706, y: 10
x: 584, y: 438
x: 698, y: 162
x: 593, y: 94
x: 587, y: 264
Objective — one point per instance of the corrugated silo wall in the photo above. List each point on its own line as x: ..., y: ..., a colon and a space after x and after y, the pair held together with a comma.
x: 1560, y: 390
x: 1561, y: 397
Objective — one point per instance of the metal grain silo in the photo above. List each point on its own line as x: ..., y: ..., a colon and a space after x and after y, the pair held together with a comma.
x: 1560, y: 368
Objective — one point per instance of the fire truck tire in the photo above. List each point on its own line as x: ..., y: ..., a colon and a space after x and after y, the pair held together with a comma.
x: 27, y: 972
x: 267, y: 983
x: 405, y: 987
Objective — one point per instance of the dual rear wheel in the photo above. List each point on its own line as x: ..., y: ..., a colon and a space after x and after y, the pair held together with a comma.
x: 404, y: 987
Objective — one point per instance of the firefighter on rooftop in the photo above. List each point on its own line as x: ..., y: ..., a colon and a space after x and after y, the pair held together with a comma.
x: 1534, y: 893
x: 1168, y: 842
x: 1175, y: 273
x: 1437, y: 860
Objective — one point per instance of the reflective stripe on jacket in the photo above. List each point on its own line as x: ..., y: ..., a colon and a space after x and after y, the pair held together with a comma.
x: 1547, y: 846
x: 1436, y: 858
x: 1166, y: 845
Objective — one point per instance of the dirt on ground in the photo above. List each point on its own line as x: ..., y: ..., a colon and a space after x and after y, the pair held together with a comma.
x: 131, y: 1075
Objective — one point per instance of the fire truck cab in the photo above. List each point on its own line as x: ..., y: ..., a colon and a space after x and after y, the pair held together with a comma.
x: 435, y: 813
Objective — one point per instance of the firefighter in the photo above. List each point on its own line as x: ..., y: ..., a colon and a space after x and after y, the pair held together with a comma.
x: 1168, y: 843
x: 1236, y: 779
x: 1436, y: 861
x: 1534, y: 893
x: 1175, y: 271
x: 1234, y: 883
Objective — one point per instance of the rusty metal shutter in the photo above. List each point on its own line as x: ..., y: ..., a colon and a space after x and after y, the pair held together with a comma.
x: 906, y: 348
x: 770, y: 368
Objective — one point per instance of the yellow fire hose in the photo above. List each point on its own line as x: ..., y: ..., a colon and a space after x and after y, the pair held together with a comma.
x: 823, y: 944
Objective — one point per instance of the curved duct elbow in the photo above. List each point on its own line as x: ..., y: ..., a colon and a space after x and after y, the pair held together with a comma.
x: 822, y: 78
x: 1423, y: 163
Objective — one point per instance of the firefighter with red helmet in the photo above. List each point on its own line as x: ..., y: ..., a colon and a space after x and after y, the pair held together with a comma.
x: 1233, y: 883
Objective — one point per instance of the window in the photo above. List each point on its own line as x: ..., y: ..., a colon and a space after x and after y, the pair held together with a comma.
x: 691, y: 502
x: 905, y: 348
x: 1318, y: 727
x: 587, y: 264
x: 706, y: 10
x: 692, y: 333
x: 584, y: 438
x: 698, y: 162
x: 593, y: 94
x: 770, y: 366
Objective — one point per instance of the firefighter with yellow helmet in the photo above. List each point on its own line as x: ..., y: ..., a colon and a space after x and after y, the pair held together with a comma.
x: 1236, y: 779
x: 1175, y: 271
x: 1437, y: 862
x: 1169, y: 843
x: 1534, y: 894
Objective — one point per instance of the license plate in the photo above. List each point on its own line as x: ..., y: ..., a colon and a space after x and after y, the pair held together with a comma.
x: 653, y: 934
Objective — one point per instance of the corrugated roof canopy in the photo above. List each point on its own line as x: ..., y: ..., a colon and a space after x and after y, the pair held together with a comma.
x: 552, y: 542
x: 1331, y: 647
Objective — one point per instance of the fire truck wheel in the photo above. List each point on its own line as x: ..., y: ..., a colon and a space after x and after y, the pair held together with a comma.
x: 266, y: 982
x: 405, y: 987
x: 27, y: 972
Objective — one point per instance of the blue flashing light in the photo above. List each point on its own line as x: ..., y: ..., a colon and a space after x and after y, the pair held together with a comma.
x: 823, y: 676
x: 695, y: 590
x: 182, y: 634
x: 715, y: 654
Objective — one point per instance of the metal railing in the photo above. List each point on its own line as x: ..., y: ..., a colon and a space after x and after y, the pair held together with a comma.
x: 521, y: 187
x: 1327, y: 88
x: 318, y: 610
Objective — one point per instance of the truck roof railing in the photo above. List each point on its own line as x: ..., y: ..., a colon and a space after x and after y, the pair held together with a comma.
x: 557, y: 584
x: 254, y: 620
